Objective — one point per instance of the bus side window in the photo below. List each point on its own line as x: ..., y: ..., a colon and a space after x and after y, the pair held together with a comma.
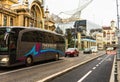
x: 50, y: 38
x: 39, y: 36
x: 28, y: 37
x: 25, y: 37
x: 46, y: 37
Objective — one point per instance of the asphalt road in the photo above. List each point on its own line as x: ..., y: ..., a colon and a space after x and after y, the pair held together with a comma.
x: 42, y: 70
x: 98, y: 70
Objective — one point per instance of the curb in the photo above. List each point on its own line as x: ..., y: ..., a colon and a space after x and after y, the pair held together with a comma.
x: 64, y: 71
x: 113, y: 70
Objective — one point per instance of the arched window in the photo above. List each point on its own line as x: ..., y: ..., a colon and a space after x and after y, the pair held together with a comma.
x: 34, y: 16
x: 5, y: 21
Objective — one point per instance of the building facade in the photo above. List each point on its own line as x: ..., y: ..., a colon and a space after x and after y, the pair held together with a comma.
x: 109, y: 35
x: 49, y: 22
x: 13, y: 13
x: 80, y: 32
x: 99, y: 41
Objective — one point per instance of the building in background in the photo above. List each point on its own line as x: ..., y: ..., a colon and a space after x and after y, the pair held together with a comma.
x: 99, y: 41
x: 109, y: 35
x: 79, y: 31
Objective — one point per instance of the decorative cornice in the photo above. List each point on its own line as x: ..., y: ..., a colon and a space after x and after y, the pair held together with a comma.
x: 14, y: 1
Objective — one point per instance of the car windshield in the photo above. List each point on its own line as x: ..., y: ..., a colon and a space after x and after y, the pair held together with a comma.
x: 110, y: 48
x: 87, y: 48
x: 70, y: 49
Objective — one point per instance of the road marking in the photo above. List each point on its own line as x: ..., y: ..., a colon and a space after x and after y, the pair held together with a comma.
x: 102, y: 61
x: 105, y: 58
x: 99, y: 58
x: 97, y: 65
x: 109, y: 59
x: 62, y: 72
x: 84, y: 76
x: 94, y: 68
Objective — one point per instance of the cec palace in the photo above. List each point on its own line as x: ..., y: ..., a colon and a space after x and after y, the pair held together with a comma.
x: 13, y: 13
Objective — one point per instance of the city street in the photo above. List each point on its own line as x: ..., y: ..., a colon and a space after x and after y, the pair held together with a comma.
x: 40, y: 71
x: 49, y: 41
x: 98, y: 70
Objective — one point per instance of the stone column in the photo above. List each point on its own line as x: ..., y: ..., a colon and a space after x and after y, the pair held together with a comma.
x: 1, y: 19
x: 66, y: 43
x: 26, y: 22
x: 20, y: 19
x: 43, y: 24
x: 79, y: 40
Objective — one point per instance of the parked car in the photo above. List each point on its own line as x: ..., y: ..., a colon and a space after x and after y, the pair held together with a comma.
x: 87, y: 51
x: 72, y: 52
x: 94, y: 49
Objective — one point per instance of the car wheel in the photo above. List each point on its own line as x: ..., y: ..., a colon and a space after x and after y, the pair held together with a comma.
x: 57, y: 57
x: 77, y: 54
x: 29, y: 61
x: 65, y: 55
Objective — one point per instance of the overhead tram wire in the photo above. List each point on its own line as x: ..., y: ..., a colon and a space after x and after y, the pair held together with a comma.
x: 77, y: 12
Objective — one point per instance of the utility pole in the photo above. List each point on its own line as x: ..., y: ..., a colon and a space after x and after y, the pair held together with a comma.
x: 118, y: 19
x: 118, y: 34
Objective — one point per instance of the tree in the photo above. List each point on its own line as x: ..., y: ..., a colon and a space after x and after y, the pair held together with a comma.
x: 69, y: 36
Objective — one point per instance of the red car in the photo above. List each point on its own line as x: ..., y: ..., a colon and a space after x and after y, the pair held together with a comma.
x: 72, y: 52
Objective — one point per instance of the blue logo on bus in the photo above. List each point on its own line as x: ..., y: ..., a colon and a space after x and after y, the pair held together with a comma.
x: 37, y: 50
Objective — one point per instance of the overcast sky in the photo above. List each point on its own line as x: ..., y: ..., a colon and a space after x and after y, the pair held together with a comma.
x: 98, y: 11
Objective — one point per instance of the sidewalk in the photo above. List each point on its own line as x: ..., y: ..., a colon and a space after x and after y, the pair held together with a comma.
x: 118, y: 70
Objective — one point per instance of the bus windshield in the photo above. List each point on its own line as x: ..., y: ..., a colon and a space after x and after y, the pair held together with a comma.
x: 4, y: 33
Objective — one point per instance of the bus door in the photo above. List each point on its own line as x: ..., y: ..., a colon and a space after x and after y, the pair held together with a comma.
x: 12, y: 47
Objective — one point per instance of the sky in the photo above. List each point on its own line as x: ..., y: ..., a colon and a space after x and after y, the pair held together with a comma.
x: 101, y: 12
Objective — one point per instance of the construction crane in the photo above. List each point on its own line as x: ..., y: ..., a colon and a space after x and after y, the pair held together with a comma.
x: 75, y: 14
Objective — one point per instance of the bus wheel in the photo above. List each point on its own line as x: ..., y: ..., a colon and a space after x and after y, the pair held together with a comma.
x: 29, y: 61
x: 57, y: 57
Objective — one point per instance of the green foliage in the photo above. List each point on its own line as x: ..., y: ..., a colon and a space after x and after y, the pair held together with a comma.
x: 70, y: 39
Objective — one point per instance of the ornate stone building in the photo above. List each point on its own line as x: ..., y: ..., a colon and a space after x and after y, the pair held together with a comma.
x: 49, y: 22
x: 13, y: 13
